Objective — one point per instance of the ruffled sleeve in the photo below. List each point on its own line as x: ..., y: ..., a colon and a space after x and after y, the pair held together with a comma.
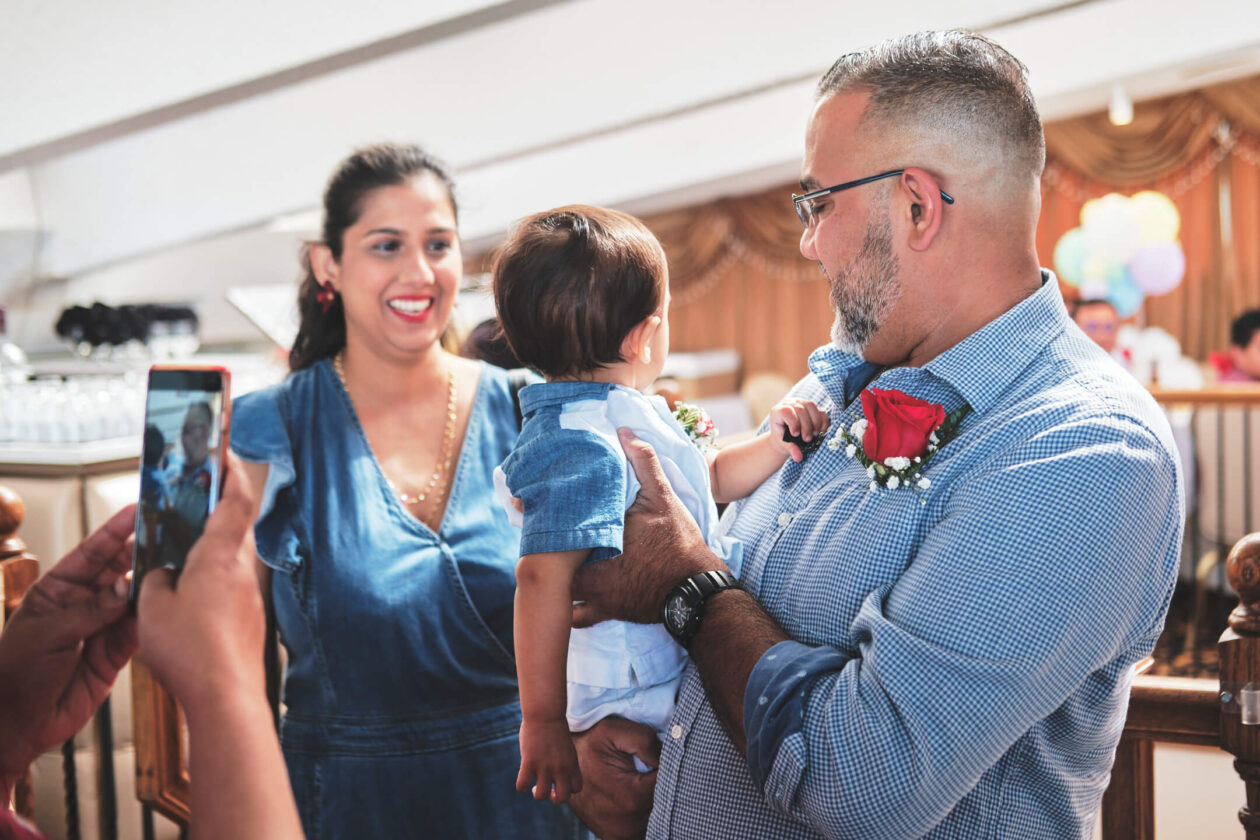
x: 261, y: 435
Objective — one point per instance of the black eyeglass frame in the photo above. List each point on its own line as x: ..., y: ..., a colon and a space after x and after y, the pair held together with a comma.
x: 805, y: 215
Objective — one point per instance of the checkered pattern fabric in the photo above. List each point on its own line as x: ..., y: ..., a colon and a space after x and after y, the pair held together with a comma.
x: 960, y: 659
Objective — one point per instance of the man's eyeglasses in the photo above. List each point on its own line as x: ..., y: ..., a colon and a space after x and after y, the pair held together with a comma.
x: 805, y: 203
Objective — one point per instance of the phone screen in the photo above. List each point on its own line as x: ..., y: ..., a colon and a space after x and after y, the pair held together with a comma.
x: 180, y: 466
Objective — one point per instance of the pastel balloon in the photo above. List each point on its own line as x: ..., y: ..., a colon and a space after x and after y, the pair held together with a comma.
x: 1157, y: 267
x: 1094, y: 270
x: 1091, y: 208
x: 1125, y: 296
x: 1156, y: 216
x: 1069, y: 257
x: 1111, y: 231
x: 1118, y: 275
x: 1094, y: 290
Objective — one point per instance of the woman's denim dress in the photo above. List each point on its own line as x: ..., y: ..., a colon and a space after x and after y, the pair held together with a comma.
x: 402, y: 712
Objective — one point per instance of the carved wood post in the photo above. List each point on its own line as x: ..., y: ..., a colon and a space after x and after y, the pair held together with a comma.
x: 18, y: 570
x: 1240, y: 677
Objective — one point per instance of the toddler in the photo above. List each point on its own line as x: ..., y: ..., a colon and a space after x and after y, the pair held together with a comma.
x: 583, y: 297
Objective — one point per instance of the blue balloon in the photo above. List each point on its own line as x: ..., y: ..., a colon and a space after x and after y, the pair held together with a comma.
x: 1123, y: 293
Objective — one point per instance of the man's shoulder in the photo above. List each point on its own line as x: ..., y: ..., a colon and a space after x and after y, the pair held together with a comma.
x: 1078, y: 395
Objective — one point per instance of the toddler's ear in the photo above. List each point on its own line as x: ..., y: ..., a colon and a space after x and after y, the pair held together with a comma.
x: 637, y: 346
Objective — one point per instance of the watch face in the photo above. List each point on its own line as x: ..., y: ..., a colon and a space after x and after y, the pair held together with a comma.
x: 677, y: 613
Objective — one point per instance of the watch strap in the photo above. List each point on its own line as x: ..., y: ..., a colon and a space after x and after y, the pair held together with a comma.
x: 710, y: 583
x: 698, y: 589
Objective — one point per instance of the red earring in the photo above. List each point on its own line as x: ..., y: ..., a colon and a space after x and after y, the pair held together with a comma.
x: 326, y: 296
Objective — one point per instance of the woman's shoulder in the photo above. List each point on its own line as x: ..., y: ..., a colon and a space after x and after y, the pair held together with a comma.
x: 501, y: 389
x: 261, y: 419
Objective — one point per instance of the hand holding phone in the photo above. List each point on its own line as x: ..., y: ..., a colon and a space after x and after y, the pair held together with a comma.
x: 186, y: 427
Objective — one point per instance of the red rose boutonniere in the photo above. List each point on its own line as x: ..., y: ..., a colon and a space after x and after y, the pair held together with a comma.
x: 898, y: 437
x: 202, y: 481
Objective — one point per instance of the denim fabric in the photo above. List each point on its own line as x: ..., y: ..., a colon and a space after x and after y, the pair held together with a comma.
x: 960, y: 660
x: 402, y: 711
x: 570, y: 472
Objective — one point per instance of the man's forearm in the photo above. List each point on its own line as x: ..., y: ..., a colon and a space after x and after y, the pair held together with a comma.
x: 734, y: 634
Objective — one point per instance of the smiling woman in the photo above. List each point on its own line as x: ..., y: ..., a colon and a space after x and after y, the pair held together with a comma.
x: 390, y: 567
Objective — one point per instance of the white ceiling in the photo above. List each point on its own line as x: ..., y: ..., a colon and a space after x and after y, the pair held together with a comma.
x: 155, y: 149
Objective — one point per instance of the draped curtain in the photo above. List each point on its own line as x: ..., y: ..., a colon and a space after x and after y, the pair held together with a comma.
x: 738, y: 279
x: 1201, y: 150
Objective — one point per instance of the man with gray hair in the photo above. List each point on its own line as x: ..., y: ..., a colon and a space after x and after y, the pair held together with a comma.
x: 939, y: 611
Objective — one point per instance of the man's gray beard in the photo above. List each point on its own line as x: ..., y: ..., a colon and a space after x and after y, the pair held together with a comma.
x: 865, y: 290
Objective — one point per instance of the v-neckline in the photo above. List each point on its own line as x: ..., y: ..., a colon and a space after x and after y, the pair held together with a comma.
x: 382, y: 481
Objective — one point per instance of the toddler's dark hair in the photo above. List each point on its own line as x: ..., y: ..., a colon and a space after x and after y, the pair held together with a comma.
x: 572, y: 282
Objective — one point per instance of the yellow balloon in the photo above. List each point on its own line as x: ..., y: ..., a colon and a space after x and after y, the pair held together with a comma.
x: 1156, y: 216
x: 1088, y: 209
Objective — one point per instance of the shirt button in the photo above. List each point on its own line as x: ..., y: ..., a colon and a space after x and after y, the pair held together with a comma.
x: 784, y: 519
x: 675, y: 731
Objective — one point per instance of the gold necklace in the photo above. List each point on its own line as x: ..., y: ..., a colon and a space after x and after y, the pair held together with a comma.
x: 435, y: 491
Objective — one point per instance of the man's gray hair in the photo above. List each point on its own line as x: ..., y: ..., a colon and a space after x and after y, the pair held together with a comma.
x: 947, y: 82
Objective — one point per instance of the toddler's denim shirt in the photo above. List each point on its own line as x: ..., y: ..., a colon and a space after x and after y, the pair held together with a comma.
x: 570, y: 471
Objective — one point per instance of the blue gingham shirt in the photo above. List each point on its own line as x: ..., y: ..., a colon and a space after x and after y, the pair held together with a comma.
x: 960, y: 659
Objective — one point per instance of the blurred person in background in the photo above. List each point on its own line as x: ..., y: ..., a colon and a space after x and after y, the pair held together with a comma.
x: 1241, y: 362
x: 1099, y: 320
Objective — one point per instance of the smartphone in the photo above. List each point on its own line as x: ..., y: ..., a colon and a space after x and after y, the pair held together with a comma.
x: 186, y: 423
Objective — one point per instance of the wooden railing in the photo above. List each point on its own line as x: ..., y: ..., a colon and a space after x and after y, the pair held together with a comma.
x: 18, y: 570
x: 1220, y: 710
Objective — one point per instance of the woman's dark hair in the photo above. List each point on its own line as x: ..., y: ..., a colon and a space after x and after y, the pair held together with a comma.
x: 571, y: 283
x: 323, y: 334
x: 486, y: 342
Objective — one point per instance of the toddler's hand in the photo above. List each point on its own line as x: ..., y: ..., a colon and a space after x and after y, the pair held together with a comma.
x: 801, y: 419
x: 547, y: 755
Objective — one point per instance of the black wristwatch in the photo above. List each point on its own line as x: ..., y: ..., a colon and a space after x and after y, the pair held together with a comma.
x: 685, y: 602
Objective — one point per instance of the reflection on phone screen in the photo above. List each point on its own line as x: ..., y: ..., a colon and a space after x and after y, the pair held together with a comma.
x: 179, y: 466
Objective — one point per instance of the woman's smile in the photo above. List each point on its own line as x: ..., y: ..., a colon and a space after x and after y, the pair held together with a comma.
x: 411, y: 308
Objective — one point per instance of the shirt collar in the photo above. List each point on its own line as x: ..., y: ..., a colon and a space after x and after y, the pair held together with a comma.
x: 543, y: 394
x: 984, y: 364
x: 980, y: 367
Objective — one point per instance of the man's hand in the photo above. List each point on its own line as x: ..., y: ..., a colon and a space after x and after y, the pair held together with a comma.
x: 662, y: 547
x: 202, y: 634
x: 616, y: 799
x: 63, y: 648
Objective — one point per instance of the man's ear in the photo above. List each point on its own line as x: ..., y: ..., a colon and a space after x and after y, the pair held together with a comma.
x: 637, y: 346
x: 925, y: 207
x: 324, y: 266
x: 1236, y: 357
